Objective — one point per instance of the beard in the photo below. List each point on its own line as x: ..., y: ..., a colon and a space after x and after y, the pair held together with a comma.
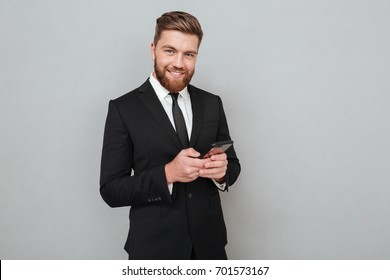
x: 172, y: 84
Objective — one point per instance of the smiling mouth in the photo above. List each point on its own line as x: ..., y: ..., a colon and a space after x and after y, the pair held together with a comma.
x: 176, y: 74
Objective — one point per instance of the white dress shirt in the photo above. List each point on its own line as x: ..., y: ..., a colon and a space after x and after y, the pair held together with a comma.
x: 184, y: 102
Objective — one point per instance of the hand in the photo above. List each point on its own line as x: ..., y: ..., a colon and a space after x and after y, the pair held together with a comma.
x: 185, y: 166
x: 215, y: 168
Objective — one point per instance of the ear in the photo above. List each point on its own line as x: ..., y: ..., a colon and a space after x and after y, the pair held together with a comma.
x: 153, y: 51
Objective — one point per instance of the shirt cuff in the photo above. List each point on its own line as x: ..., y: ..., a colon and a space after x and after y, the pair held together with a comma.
x: 170, y: 188
x: 220, y: 186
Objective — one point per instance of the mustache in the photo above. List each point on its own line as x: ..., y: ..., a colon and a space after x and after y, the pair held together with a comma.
x: 180, y: 70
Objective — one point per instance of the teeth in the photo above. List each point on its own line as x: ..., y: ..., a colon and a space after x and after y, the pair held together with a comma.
x: 176, y: 73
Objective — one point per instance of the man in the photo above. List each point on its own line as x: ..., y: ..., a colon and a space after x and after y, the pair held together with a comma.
x: 157, y: 131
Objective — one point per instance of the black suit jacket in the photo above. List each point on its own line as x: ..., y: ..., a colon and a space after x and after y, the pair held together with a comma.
x: 140, y: 137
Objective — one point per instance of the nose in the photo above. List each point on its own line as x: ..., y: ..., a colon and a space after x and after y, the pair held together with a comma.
x: 178, y: 61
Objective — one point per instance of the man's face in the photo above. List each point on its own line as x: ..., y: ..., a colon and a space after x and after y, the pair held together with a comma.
x: 174, y: 58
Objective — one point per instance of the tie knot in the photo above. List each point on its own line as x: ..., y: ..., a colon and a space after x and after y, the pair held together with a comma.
x: 174, y: 95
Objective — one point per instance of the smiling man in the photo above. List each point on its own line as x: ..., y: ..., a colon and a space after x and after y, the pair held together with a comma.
x: 150, y: 158
x: 174, y: 56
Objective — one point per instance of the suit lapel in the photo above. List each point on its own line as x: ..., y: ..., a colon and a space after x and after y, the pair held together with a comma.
x: 197, y: 114
x: 149, y: 98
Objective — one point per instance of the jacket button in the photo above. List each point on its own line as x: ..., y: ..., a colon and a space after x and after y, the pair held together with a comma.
x: 189, y: 195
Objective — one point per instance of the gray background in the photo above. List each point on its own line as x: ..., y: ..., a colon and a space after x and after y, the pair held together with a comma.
x: 305, y: 86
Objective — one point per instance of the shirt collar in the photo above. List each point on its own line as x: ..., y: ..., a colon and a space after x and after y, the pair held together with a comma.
x: 163, y: 92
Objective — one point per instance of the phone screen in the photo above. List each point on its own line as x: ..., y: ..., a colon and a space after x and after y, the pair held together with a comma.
x: 216, y: 148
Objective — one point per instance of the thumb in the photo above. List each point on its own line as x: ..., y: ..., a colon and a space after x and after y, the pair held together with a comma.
x: 191, y: 152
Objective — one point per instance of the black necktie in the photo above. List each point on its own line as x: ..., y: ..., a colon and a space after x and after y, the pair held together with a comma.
x: 178, y: 118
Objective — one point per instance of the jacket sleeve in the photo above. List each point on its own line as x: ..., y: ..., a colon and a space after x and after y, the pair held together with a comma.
x: 118, y: 187
x: 234, y: 167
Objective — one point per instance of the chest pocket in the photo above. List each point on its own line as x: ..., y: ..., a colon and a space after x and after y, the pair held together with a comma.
x: 208, y: 124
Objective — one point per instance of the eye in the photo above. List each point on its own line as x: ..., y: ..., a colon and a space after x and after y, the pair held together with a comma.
x: 169, y: 51
x: 190, y: 55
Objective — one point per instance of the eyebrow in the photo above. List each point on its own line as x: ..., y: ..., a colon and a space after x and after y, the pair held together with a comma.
x: 173, y: 48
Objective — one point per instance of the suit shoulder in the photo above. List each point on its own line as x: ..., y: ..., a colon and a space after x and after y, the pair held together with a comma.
x: 132, y: 95
x: 127, y: 96
x: 203, y: 93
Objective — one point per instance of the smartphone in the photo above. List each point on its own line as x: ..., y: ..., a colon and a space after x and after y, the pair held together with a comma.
x: 216, y: 148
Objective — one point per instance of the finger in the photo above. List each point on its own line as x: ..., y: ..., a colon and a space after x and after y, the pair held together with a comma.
x: 216, y: 164
x: 222, y: 156
x: 212, y: 172
x: 189, y: 170
x: 194, y: 175
x: 190, y: 152
x: 198, y: 163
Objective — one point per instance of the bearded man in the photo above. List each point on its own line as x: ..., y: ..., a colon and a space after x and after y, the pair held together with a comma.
x: 150, y: 157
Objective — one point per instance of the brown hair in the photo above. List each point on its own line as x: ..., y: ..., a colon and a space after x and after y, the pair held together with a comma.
x: 179, y: 21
